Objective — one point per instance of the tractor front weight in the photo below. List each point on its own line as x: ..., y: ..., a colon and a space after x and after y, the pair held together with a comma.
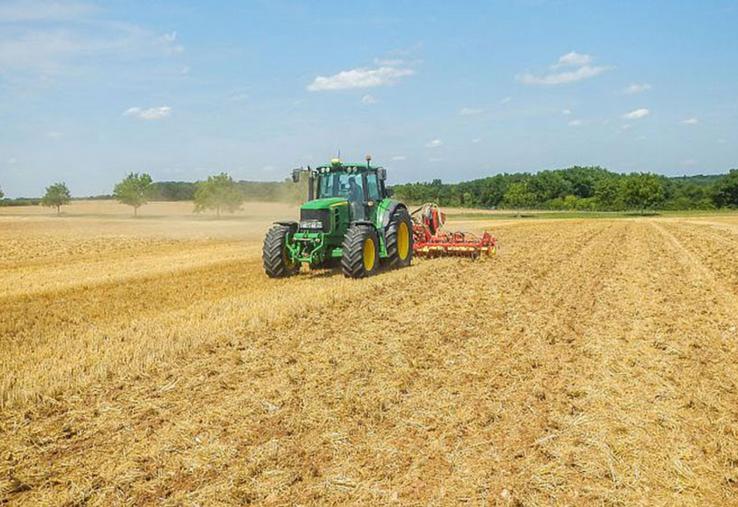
x: 306, y: 247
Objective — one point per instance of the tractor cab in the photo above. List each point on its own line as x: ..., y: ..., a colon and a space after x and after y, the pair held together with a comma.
x: 361, y: 185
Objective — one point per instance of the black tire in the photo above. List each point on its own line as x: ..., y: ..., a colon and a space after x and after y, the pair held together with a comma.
x: 354, y: 263
x: 274, y: 254
x: 399, y: 250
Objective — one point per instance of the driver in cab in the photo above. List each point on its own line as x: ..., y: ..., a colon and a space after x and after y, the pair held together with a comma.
x: 355, y: 194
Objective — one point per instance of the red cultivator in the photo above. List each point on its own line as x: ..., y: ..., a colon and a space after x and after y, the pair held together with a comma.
x: 430, y: 240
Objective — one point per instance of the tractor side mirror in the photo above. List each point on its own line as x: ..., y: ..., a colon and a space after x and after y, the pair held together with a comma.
x: 389, y: 191
x: 296, y: 175
x: 382, y: 173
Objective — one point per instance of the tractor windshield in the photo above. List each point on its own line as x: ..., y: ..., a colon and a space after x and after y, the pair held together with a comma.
x: 341, y: 184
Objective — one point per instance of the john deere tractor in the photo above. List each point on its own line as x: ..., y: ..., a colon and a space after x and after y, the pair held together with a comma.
x: 348, y: 218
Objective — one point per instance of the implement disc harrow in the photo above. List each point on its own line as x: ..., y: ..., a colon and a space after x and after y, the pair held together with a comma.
x: 430, y: 241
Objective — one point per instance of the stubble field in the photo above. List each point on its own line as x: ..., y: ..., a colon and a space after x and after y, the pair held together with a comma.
x: 151, y: 361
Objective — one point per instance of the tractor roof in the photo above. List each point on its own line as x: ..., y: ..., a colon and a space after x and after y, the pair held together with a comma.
x: 337, y: 165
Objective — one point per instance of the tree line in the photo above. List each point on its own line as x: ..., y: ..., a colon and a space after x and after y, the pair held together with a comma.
x: 219, y: 193
x: 575, y: 188
x: 580, y: 188
x: 284, y: 191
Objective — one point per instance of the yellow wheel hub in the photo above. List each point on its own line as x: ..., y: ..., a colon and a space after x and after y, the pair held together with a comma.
x: 370, y: 254
x: 403, y: 241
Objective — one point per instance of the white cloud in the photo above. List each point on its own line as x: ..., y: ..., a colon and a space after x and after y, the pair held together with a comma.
x: 573, y: 59
x: 470, y: 111
x: 435, y: 143
x: 152, y: 113
x: 42, y: 50
x: 690, y: 121
x: 505, y: 100
x: 627, y: 126
x: 580, y: 63
x: 399, y: 158
x: 476, y: 140
x: 566, y: 112
x: 636, y: 88
x: 38, y: 10
x: 169, y: 42
x: 575, y: 123
x: 388, y: 62
x: 435, y: 159
x: 51, y: 50
x: 369, y: 99
x: 54, y: 134
x: 359, y: 78
x: 558, y: 78
x: 637, y: 114
x: 721, y: 141
x: 12, y: 161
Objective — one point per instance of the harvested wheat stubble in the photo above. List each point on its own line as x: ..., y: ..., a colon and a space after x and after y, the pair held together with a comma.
x: 591, y: 362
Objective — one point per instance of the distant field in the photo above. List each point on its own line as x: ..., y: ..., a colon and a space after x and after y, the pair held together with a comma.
x: 150, y: 361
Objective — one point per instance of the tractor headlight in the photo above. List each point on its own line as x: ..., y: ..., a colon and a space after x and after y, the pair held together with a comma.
x: 311, y: 225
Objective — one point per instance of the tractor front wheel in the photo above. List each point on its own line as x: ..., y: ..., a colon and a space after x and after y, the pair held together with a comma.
x: 400, y: 239
x: 360, y: 252
x: 277, y: 262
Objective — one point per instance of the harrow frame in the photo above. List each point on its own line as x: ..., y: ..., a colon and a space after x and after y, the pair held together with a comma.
x: 430, y: 240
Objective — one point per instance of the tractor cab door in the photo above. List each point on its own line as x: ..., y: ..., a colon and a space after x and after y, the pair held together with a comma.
x: 356, y: 196
x: 373, y: 195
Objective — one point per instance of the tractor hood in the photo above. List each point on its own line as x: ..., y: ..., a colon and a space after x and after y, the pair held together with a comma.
x: 324, y: 203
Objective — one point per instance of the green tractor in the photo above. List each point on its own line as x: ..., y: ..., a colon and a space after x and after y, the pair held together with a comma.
x: 348, y: 218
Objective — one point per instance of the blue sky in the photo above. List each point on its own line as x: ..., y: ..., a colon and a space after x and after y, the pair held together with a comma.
x: 455, y: 90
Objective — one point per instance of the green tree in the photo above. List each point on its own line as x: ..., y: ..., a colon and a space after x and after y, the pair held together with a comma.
x: 134, y: 190
x: 571, y: 202
x: 643, y: 191
x: 1, y: 193
x: 726, y: 190
x: 583, y: 179
x: 219, y: 192
x: 172, y: 191
x: 607, y: 193
x: 519, y: 196
x: 56, y: 196
x: 548, y: 185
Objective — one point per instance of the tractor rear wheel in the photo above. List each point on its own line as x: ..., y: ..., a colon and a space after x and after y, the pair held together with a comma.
x: 360, y: 252
x: 277, y: 262
x: 400, y: 239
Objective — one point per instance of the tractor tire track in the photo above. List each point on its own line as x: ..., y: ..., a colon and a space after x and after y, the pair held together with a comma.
x: 709, y: 250
x: 642, y: 415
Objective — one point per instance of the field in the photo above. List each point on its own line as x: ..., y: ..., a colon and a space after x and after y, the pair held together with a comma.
x: 150, y: 361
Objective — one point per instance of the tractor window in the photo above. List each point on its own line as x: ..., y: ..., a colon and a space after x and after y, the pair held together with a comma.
x: 372, y: 187
x: 345, y: 185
